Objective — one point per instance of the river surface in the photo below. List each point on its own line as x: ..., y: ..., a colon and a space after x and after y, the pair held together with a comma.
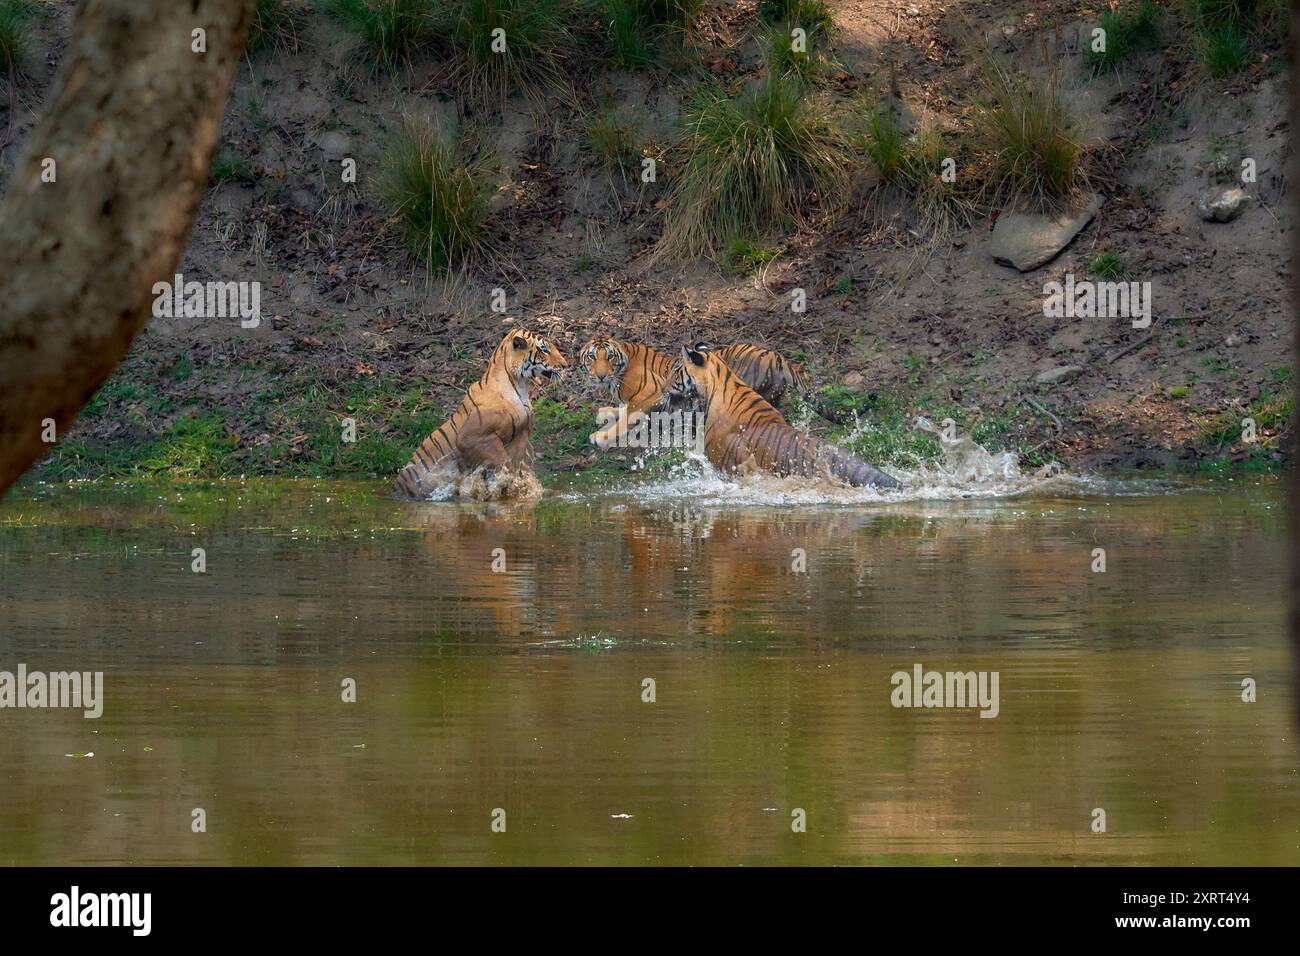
x: 501, y: 652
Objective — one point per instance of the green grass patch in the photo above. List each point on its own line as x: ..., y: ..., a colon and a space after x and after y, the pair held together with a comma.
x: 746, y: 257
x: 198, y: 447
x: 1128, y: 31
x: 1270, y: 414
x: 228, y: 167
x: 921, y: 165
x: 1108, y: 265
x: 559, y: 431
x: 440, y: 200
x: 885, y: 143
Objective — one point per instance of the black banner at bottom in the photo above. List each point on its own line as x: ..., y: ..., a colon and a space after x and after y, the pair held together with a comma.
x: 337, y: 905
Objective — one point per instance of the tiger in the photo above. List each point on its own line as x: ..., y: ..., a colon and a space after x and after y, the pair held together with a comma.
x: 491, y: 428
x: 767, y: 372
x: 635, y: 376
x: 741, y: 427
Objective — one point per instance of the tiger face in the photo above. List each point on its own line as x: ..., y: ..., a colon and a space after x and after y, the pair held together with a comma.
x: 605, y: 361
x: 695, y: 373
x: 680, y: 391
x: 530, y: 356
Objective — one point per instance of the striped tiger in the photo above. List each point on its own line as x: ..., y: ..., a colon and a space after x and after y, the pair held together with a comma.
x: 491, y: 428
x: 635, y: 376
x: 742, y: 428
x: 766, y: 372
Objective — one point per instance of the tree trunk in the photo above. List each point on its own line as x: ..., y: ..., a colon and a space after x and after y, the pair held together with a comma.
x: 130, y: 126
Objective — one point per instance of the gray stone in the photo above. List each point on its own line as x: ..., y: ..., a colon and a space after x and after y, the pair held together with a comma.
x: 1224, y: 207
x: 1055, y: 376
x: 1026, y: 240
x: 333, y: 144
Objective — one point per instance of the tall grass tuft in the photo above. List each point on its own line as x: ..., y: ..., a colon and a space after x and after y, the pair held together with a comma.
x: 752, y: 163
x: 915, y: 165
x: 614, y: 140
x: 885, y: 144
x: 636, y: 26
x: 275, y: 25
x: 1030, y: 137
x: 1227, y: 30
x: 631, y: 45
x: 390, y: 30
x: 505, y: 46
x: 441, y: 201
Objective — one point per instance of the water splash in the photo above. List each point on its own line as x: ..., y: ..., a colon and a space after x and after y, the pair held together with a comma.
x: 477, y: 485
x: 967, y: 470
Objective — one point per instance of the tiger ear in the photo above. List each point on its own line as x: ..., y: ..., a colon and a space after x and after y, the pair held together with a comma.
x: 696, y: 356
x: 520, y: 342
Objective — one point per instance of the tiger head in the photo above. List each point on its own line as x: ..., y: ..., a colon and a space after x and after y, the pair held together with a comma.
x: 528, y: 355
x: 605, y: 361
x: 690, y: 381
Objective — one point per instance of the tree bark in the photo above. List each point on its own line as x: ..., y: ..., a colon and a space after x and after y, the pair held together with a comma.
x: 130, y: 125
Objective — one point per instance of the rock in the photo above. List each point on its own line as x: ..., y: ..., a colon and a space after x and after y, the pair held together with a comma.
x: 1058, y: 375
x: 852, y: 380
x: 333, y: 144
x: 1232, y: 341
x: 1027, y: 240
x: 1225, y: 207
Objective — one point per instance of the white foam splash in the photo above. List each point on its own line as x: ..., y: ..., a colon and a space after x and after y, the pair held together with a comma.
x: 967, y: 471
x: 512, y: 484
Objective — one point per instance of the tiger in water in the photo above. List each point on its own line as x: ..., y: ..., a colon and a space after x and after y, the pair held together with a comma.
x: 491, y: 428
x: 637, y: 376
x: 634, y: 375
x: 743, y: 430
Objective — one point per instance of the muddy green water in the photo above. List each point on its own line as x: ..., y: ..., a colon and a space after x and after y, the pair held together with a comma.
x: 522, y: 690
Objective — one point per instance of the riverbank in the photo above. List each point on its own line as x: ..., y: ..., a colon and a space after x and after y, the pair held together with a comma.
x: 904, y: 317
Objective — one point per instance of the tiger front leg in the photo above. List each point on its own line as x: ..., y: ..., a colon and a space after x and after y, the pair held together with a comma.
x: 484, y: 450
x: 610, y: 422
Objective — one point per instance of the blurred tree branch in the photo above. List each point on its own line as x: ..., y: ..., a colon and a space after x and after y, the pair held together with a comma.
x: 130, y: 126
